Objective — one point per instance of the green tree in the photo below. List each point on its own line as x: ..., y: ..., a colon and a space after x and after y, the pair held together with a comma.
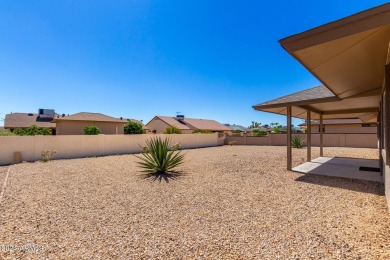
x: 172, y: 130
x: 200, y: 131
x: 91, y: 130
x: 33, y: 130
x: 133, y: 128
x: 255, y: 125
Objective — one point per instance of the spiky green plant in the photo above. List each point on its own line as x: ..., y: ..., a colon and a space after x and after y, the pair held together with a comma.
x: 297, y: 141
x: 159, y: 157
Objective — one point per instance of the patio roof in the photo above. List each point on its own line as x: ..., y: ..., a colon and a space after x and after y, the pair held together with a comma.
x: 348, y: 56
x: 320, y: 100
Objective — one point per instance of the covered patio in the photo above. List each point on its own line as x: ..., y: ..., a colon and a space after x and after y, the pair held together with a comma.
x: 320, y: 103
x: 351, y: 168
x: 350, y: 57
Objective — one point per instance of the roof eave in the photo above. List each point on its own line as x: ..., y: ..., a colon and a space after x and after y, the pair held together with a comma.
x: 362, y: 21
x: 297, y: 103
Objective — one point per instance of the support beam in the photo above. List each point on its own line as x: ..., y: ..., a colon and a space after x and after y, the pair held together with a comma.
x: 321, y: 136
x: 312, y: 109
x: 308, y: 135
x: 380, y: 137
x: 289, y: 148
x: 386, y: 116
x: 351, y: 111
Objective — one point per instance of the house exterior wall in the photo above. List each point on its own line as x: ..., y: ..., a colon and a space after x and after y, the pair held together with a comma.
x: 159, y: 126
x: 345, y: 129
x: 77, y: 127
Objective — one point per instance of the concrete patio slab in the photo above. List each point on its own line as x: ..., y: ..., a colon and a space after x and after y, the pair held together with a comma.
x: 341, y: 167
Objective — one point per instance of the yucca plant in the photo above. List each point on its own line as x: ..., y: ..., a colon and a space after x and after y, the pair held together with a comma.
x: 297, y: 141
x: 159, y: 157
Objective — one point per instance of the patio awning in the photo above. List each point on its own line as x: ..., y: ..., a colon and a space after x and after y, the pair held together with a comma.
x: 348, y: 56
x: 321, y: 100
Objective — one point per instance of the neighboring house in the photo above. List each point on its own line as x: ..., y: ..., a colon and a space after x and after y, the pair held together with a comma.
x: 25, y: 120
x: 75, y: 124
x: 187, y: 125
x: 237, y: 127
x: 342, y: 126
x: 68, y: 125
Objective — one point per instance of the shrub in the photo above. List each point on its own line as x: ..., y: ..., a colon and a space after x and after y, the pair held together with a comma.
x: 133, y: 128
x: 237, y: 131
x: 91, y: 130
x: 47, y: 155
x: 172, y: 130
x: 161, y: 157
x: 6, y: 132
x: 33, y: 130
x: 258, y: 132
x: 231, y: 143
x: 200, y: 131
x: 276, y: 130
x: 297, y: 141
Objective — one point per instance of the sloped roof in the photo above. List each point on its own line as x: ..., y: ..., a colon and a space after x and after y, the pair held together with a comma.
x: 86, y: 116
x: 308, y: 96
x: 336, y: 122
x: 237, y: 127
x: 348, y: 56
x: 173, y: 122
x: 193, y: 124
x: 23, y: 120
x: 206, y: 124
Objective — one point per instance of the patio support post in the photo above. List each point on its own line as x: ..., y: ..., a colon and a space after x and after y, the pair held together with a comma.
x: 289, y: 148
x: 308, y: 135
x: 321, y: 136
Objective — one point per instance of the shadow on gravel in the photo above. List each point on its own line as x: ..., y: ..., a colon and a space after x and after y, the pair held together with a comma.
x: 162, y: 176
x: 343, y: 183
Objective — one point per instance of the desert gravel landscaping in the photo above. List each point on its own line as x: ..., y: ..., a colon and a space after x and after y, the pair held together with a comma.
x: 231, y: 202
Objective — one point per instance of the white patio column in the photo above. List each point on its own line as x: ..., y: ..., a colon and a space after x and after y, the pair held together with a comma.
x: 308, y: 136
x: 321, y: 137
x: 289, y: 148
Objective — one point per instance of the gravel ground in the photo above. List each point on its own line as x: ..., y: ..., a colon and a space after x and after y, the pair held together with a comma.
x: 231, y: 202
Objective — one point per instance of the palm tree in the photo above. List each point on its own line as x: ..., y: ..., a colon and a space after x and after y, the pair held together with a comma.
x: 255, y: 124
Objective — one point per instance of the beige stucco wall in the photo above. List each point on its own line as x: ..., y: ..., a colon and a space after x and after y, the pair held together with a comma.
x: 330, y: 140
x: 76, y: 146
x: 160, y: 126
x: 77, y: 127
x: 345, y: 129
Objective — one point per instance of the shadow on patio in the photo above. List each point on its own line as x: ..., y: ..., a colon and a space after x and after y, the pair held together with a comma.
x: 347, y: 173
x: 342, y: 183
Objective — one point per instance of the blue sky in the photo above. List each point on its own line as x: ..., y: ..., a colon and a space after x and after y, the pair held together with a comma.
x: 137, y: 59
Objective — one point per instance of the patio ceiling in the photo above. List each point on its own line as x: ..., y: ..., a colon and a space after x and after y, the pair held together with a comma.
x: 348, y: 56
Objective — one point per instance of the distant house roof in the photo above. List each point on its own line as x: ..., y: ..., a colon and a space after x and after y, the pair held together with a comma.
x: 336, y: 122
x: 23, y: 120
x: 261, y: 128
x: 95, y: 117
x: 193, y: 123
x: 86, y: 116
x: 237, y: 127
